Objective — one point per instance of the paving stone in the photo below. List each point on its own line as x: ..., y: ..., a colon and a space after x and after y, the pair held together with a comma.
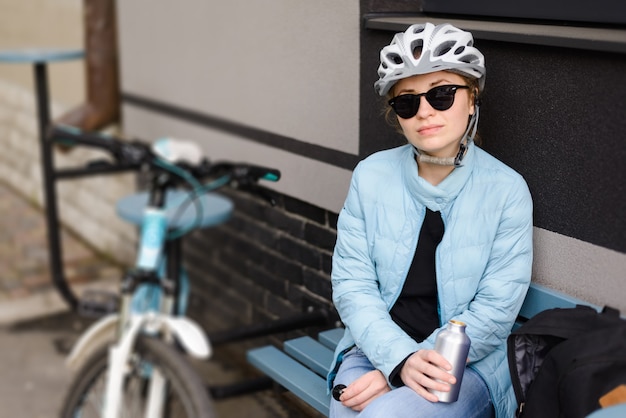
x: 24, y: 255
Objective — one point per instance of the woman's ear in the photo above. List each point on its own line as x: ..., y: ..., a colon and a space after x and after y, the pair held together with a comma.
x: 475, y: 101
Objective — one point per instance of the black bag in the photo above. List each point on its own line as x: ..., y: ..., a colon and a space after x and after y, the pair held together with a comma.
x: 562, y: 361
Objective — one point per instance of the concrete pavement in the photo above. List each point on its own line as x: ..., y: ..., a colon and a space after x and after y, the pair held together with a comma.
x: 34, y: 378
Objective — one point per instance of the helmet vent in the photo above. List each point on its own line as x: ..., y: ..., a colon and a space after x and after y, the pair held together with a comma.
x: 459, y: 50
x: 416, y: 48
x: 395, y: 58
x: 469, y: 58
x: 418, y: 29
x: 444, y: 48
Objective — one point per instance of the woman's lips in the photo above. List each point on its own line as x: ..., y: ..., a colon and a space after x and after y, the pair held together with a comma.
x: 429, y: 129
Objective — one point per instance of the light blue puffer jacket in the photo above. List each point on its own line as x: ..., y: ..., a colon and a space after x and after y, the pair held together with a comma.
x: 483, y: 262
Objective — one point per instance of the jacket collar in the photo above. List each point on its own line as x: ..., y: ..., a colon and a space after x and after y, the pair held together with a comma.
x: 437, y: 198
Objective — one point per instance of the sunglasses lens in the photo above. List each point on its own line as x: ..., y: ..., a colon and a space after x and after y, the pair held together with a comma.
x: 441, y: 98
x: 406, y: 105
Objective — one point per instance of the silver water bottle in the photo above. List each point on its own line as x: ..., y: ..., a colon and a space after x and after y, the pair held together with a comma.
x: 453, y: 344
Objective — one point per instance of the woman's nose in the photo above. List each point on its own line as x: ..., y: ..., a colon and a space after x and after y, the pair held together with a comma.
x: 425, y: 109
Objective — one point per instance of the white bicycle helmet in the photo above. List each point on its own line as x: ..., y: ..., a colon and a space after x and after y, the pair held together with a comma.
x: 426, y: 48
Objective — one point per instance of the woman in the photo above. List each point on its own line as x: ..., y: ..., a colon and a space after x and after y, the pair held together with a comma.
x: 430, y: 231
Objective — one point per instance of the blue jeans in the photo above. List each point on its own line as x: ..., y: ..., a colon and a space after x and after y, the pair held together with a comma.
x: 473, y: 402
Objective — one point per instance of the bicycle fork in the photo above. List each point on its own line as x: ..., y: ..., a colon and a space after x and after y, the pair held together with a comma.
x: 188, y: 333
x: 185, y: 331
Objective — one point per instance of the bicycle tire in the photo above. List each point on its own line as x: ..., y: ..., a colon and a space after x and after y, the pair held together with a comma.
x: 187, y: 397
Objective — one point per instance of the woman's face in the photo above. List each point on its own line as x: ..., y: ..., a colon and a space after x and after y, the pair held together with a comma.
x: 436, y: 132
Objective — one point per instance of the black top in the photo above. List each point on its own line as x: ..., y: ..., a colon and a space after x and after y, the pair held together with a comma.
x: 415, y: 311
x: 416, y: 308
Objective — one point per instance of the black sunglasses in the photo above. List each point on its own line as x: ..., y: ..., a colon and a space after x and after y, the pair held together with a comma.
x: 440, y: 98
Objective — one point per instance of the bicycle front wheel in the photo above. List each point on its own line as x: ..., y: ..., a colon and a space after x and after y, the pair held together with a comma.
x: 185, y: 395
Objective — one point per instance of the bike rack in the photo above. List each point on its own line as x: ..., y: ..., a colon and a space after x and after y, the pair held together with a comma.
x: 39, y: 58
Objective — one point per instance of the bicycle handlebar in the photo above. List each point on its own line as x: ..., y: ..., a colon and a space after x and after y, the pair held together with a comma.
x: 136, y: 153
x: 242, y: 171
x: 133, y: 153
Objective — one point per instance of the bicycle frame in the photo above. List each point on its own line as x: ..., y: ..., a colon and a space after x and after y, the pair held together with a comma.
x: 154, y: 320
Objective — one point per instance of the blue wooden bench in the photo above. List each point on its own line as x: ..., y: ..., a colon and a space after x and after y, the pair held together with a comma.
x: 303, y: 363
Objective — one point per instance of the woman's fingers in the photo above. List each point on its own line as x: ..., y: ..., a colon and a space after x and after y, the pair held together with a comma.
x: 364, y: 390
x: 426, y: 369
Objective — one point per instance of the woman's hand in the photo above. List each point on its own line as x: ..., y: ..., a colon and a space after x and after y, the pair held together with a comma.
x: 364, y: 390
x: 427, y: 369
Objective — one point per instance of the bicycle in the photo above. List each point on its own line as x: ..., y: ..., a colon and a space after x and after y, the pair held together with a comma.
x: 143, y: 368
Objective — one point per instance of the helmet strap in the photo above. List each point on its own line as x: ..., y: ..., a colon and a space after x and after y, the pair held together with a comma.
x: 472, y: 127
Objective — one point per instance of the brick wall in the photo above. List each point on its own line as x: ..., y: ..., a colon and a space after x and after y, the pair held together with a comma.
x: 264, y: 263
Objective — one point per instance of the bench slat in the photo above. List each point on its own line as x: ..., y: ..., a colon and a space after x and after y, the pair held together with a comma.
x: 330, y: 338
x: 292, y: 375
x: 311, y: 353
